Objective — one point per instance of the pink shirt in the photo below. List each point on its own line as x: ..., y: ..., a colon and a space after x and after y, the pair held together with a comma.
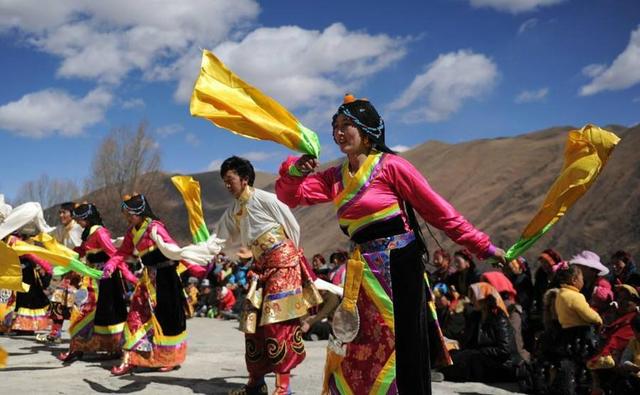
x: 375, y: 194
x: 98, y: 240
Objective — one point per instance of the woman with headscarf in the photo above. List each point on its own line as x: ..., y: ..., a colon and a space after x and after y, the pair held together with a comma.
x: 98, y: 324
x: 488, y: 353
x: 383, y: 316
x: 466, y: 272
x: 547, y: 260
x: 510, y: 297
x: 518, y: 272
x: 156, y: 326
x: 623, y: 269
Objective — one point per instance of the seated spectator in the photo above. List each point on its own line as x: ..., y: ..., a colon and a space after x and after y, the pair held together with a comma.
x: 488, y: 353
x: 466, y: 272
x: 226, y: 302
x: 596, y: 289
x: 207, y: 301
x: 547, y: 260
x: 318, y: 326
x: 339, y: 261
x: 575, y: 316
x: 192, y: 295
x: 509, y: 295
x: 616, y: 336
x: 630, y: 363
x: 444, y: 268
x: 624, y: 270
x: 518, y: 272
x: 320, y: 267
x: 451, y: 311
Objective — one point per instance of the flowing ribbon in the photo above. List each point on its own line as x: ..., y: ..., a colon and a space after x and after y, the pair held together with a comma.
x: 586, y: 152
x: 223, y: 98
x: 190, y: 191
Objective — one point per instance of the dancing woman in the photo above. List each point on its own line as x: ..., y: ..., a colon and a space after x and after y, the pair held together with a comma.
x: 99, y: 322
x: 156, y: 327
x: 385, y: 283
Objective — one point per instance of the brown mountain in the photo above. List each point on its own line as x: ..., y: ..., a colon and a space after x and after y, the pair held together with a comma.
x: 498, y: 184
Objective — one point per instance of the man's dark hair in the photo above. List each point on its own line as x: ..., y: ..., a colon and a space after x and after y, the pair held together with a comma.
x: 67, y: 206
x: 243, y: 167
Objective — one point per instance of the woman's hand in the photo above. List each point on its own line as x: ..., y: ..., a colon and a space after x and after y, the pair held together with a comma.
x: 306, y: 164
x: 499, y: 256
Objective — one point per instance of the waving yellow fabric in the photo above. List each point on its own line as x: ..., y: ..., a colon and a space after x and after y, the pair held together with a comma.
x: 586, y: 152
x: 190, y: 191
x: 10, y: 271
x: 222, y: 97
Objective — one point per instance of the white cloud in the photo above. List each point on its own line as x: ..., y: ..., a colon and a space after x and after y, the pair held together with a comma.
x: 527, y: 25
x: 105, y: 40
x: 400, y: 148
x: 594, y: 70
x: 623, y: 73
x: 446, y: 84
x: 133, y: 103
x: 301, y: 67
x: 514, y: 6
x: 532, y: 95
x: 636, y: 100
x: 192, y: 139
x: 168, y: 130
x: 215, y: 165
x: 52, y: 111
x: 258, y: 156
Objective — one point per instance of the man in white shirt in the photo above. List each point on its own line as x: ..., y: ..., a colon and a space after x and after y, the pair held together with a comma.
x: 269, y: 229
x: 69, y: 234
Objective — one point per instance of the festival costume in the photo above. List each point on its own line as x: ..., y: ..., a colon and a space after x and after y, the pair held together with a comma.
x: 385, y: 280
x: 62, y: 298
x: 98, y: 324
x: 156, y: 328
x: 270, y: 230
x: 28, y: 311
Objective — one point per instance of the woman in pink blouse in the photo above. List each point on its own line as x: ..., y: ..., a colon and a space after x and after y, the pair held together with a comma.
x: 98, y: 324
x: 155, y: 334
x: 389, y: 352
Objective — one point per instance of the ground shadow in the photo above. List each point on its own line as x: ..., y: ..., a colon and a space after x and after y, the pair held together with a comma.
x: 217, y: 385
x: 53, y: 349
x: 29, y: 368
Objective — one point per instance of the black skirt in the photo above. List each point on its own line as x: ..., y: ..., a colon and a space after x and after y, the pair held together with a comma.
x: 35, y: 298
x: 111, y: 308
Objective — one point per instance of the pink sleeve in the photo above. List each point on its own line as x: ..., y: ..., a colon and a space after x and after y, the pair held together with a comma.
x: 414, y: 188
x: 306, y: 190
x: 120, y: 256
x: 195, y: 270
x: 40, y: 262
x: 104, y: 240
x: 161, y: 231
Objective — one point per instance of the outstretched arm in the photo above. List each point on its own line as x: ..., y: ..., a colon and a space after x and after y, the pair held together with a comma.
x: 306, y: 189
x: 414, y: 188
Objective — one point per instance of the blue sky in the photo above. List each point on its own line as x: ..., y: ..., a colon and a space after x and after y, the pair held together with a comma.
x: 451, y: 70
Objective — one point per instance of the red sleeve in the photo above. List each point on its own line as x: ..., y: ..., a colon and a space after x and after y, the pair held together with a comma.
x: 306, y: 190
x: 126, y: 248
x: 414, y: 188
